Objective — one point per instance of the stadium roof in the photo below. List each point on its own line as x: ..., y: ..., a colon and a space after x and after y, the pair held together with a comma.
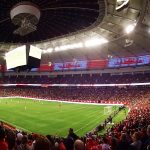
x: 65, y: 23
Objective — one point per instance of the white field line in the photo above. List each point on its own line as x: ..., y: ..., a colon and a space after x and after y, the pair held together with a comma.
x: 103, y: 104
x: 90, y: 123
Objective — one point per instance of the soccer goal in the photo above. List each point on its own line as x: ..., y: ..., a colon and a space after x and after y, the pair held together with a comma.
x: 108, y: 110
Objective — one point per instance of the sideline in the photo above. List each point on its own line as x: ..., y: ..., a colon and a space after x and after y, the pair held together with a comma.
x: 37, y: 99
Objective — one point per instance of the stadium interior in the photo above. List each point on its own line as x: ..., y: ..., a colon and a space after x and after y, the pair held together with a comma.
x: 75, y: 75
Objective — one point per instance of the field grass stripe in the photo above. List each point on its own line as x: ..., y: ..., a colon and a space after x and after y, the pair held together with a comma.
x: 93, y: 113
x: 87, y: 119
x: 89, y: 123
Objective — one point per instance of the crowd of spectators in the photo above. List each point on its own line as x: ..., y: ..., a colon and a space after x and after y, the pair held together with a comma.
x: 78, y: 79
x: 125, y: 95
x: 131, y: 134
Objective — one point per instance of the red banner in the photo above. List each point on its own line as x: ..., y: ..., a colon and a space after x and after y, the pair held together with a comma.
x: 97, y: 64
x: 46, y: 67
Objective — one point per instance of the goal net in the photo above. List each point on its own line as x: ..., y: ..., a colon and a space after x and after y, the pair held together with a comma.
x: 107, y: 110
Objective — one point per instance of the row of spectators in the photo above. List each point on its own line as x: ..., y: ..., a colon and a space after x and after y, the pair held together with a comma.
x: 135, y: 139
x: 125, y: 95
x: 78, y: 79
x: 131, y: 134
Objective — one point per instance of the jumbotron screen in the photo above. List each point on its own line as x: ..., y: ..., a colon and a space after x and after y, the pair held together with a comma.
x: 22, y: 58
x: 34, y: 58
x: 35, y: 52
x: 16, y: 57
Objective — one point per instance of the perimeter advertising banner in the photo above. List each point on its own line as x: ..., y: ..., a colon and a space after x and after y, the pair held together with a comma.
x: 46, y: 67
x: 76, y: 65
x: 129, y: 61
x: 114, y: 62
x: 143, y: 60
x: 91, y: 64
x: 97, y: 64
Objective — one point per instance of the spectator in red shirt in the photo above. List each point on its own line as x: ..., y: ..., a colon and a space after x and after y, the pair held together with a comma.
x: 3, y: 144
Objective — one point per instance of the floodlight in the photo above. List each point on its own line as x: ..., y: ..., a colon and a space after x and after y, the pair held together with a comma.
x: 44, y: 51
x: 95, y: 42
x: 77, y: 45
x: 130, y: 28
x: 69, y: 46
x: 49, y: 50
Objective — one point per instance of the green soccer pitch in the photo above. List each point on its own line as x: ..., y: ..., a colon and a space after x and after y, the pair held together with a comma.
x: 53, y: 118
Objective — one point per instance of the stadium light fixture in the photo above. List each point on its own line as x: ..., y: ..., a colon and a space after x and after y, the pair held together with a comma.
x: 44, y: 51
x: 50, y: 50
x: 121, y: 3
x: 69, y: 46
x: 95, y: 42
x: 130, y: 28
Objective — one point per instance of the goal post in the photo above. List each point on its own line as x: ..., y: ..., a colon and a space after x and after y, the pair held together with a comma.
x: 108, y: 110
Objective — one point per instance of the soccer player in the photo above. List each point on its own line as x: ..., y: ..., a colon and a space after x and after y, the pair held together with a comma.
x: 60, y: 105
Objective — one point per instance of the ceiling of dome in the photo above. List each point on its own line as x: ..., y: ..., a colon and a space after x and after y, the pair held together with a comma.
x: 57, y: 18
x: 113, y: 29
x: 108, y: 23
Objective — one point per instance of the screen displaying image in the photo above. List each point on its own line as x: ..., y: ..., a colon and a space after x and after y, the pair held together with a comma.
x: 16, y: 57
x: 35, y: 52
